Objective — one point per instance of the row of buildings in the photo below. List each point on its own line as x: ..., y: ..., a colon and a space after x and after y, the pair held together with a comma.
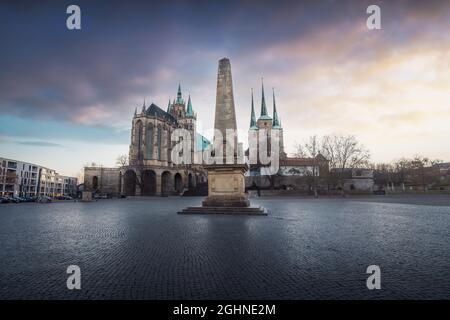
x: 151, y: 171
x: 23, y: 179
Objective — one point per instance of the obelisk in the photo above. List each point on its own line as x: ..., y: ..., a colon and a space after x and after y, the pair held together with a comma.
x: 225, y: 115
x: 226, y: 181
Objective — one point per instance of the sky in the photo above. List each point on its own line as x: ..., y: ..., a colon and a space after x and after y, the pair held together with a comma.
x: 67, y: 97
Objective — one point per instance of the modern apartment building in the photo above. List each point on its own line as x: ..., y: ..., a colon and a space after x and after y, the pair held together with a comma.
x: 18, y: 178
x: 53, y: 184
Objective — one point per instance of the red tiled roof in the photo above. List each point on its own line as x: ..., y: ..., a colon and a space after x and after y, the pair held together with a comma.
x: 297, y: 161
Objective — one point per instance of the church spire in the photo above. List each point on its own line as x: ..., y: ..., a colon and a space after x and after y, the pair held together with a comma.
x: 264, y: 114
x: 135, y: 112
x: 168, y: 107
x: 179, y: 96
x: 189, y: 112
x: 276, y: 121
x: 252, y: 116
x: 143, y: 107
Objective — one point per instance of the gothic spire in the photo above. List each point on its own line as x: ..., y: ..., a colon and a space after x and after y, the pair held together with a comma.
x: 135, y: 112
x: 276, y: 121
x: 168, y: 107
x: 179, y: 96
x: 189, y: 112
x: 143, y: 107
x: 252, y: 116
x: 264, y: 114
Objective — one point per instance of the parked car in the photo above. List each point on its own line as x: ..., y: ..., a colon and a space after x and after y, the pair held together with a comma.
x: 19, y: 199
x: 44, y: 199
x: 63, y: 198
x: 3, y: 200
x: 14, y: 199
x: 379, y: 192
x: 29, y: 199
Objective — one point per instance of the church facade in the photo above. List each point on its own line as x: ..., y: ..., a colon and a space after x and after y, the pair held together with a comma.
x: 150, y: 169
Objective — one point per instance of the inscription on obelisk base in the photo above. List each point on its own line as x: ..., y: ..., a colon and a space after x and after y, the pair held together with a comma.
x: 226, y: 182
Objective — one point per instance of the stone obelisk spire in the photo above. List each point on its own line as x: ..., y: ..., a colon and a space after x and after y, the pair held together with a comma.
x: 225, y: 116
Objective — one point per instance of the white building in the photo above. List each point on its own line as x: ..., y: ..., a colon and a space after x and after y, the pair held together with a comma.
x: 18, y: 178
x: 54, y: 184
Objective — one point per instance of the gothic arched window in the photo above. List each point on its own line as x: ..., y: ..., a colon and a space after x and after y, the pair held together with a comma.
x: 149, y: 139
x: 158, y: 137
x: 138, y: 138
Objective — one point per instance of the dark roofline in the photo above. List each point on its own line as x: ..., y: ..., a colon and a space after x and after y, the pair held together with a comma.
x: 154, y: 110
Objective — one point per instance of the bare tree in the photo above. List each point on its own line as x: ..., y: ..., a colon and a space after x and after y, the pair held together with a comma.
x: 122, y: 160
x: 310, y: 149
x: 344, y: 152
x: 384, y: 174
x: 422, y: 172
x: 299, y: 150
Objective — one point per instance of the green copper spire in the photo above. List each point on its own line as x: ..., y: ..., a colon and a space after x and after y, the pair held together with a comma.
x: 264, y: 115
x: 189, y: 112
x: 276, y: 121
x: 179, y: 97
x: 252, y: 116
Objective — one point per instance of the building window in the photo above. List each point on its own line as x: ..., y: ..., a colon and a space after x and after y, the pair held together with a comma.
x: 149, y: 142
x: 139, y: 139
x: 12, y: 165
x: 159, y: 143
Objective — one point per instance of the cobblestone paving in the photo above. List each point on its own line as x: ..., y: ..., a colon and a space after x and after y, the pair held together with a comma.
x: 304, y: 249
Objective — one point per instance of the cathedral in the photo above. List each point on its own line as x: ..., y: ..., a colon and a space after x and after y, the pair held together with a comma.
x: 150, y: 170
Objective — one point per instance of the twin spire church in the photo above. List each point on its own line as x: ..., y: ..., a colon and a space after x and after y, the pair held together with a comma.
x: 267, y: 123
x: 264, y: 120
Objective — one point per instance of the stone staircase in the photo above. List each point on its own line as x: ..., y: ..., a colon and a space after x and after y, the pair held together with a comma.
x: 225, y: 210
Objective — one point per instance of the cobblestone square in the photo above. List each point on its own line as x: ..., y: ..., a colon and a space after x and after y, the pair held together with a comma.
x: 139, y: 248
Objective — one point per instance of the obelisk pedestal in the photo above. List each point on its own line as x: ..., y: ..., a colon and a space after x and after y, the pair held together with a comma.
x: 226, y: 181
x: 226, y: 186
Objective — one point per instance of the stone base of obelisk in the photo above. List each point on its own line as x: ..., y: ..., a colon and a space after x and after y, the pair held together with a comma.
x: 226, y: 192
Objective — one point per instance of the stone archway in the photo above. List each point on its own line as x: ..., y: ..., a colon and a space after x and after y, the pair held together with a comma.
x: 166, y: 184
x: 178, y: 183
x: 94, y: 183
x: 148, y: 185
x: 129, y: 183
